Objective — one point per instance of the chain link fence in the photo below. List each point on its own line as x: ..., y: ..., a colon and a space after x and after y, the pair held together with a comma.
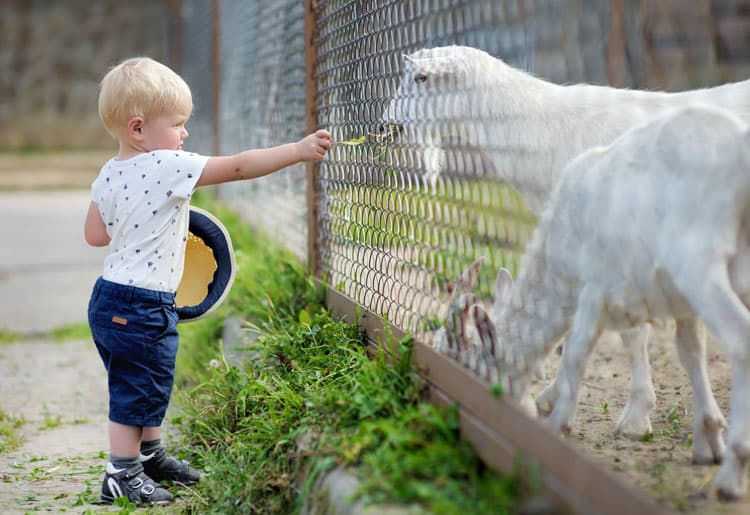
x: 407, y: 198
x: 263, y: 104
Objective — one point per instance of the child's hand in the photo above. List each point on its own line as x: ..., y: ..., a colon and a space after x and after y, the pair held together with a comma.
x: 315, y: 146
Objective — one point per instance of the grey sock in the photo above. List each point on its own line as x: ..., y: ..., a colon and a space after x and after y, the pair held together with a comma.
x: 149, y: 447
x: 120, y: 462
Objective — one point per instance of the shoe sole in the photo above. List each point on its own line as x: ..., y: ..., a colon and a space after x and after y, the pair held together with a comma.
x: 111, y: 500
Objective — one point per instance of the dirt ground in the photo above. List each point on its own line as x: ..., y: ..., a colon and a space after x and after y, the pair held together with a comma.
x: 60, y: 391
x: 661, y: 465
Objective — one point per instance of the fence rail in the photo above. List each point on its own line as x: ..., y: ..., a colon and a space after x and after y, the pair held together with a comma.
x: 373, y: 225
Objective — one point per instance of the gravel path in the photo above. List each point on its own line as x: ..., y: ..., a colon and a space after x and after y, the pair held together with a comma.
x: 59, y: 389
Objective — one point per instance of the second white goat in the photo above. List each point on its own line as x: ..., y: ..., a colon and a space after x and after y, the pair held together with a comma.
x: 653, y: 227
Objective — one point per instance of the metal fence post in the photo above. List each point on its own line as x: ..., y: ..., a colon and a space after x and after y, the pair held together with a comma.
x: 311, y: 123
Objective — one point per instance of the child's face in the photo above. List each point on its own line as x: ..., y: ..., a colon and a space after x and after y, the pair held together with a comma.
x: 165, y: 132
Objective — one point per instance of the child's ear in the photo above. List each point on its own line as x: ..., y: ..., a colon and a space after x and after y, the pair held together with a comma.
x: 135, y: 127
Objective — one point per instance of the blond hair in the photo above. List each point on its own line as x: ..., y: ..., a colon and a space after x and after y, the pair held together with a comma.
x: 143, y: 87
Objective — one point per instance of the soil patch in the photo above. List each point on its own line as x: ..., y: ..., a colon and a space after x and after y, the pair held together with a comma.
x: 660, y: 465
x: 60, y: 389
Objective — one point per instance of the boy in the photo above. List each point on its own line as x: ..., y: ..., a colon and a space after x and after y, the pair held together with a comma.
x: 139, y: 208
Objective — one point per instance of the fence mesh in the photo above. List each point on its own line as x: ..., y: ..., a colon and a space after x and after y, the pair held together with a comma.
x: 196, y: 63
x: 417, y: 186
x: 263, y: 104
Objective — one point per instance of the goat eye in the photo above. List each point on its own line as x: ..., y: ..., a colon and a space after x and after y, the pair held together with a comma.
x: 420, y: 77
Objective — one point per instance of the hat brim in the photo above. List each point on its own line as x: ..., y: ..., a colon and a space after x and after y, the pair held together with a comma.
x: 199, y: 265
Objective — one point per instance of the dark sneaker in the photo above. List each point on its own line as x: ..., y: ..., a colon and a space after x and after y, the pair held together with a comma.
x: 134, y: 484
x: 162, y: 467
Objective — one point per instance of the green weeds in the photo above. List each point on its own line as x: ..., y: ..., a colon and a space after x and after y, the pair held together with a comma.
x: 50, y: 421
x: 70, y: 332
x: 79, y: 331
x: 7, y: 336
x: 310, y: 397
x: 11, y: 437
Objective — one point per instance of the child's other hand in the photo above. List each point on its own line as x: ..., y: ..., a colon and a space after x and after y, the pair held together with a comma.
x: 315, y: 146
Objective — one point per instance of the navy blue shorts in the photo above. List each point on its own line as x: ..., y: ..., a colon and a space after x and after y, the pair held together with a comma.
x: 135, y: 332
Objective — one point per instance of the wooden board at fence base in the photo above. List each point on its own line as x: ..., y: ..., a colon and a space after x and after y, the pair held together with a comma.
x: 499, y: 430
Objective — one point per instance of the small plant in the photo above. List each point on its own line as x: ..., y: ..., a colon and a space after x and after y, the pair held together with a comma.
x: 432, y: 324
x: 39, y: 474
x: 51, y: 421
x: 126, y: 506
x: 496, y: 390
x: 673, y: 418
x: 354, y: 142
x: 381, y: 140
x: 605, y: 408
x: 10, y: 436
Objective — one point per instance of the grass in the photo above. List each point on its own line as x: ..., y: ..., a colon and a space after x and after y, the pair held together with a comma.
x: 50, y: 421
x: 312, y: 398
x: 7, y: 336
x: 11, y: 436
x: 77, y: 331
x: 70, y: 332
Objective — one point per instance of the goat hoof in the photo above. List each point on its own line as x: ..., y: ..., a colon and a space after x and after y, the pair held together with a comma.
x: 706, y: 460
x: 728, y: 495
x: 730, y: 483
x: 544, y: 409
x: 633, y: 427
x: 563, y: 428
x: 545, y: 401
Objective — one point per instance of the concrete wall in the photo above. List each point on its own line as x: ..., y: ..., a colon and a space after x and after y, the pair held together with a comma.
x: 53, y: 54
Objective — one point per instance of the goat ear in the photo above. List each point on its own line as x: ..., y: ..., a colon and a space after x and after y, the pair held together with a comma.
x: 417, y: 63
x: 465, y: 283
x: 503, y: 285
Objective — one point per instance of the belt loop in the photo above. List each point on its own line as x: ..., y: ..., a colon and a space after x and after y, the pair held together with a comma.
x: 97, y: 290
x: 131, y: 294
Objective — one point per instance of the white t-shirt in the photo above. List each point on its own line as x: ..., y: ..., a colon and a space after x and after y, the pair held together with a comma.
x: 145, y: 204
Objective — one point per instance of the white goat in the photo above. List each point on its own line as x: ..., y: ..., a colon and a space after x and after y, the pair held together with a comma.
x: 454, y: 100
x: 655, y: 226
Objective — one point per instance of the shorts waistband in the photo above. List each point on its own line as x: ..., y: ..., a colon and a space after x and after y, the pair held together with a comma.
x: 129, y: 294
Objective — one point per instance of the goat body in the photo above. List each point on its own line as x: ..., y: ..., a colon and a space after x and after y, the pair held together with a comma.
x: 650, y: 228
x: 460, y: 97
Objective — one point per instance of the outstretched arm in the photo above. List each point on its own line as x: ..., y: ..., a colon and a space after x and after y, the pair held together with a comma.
x: 94, y: 229
x: 251, y: 164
